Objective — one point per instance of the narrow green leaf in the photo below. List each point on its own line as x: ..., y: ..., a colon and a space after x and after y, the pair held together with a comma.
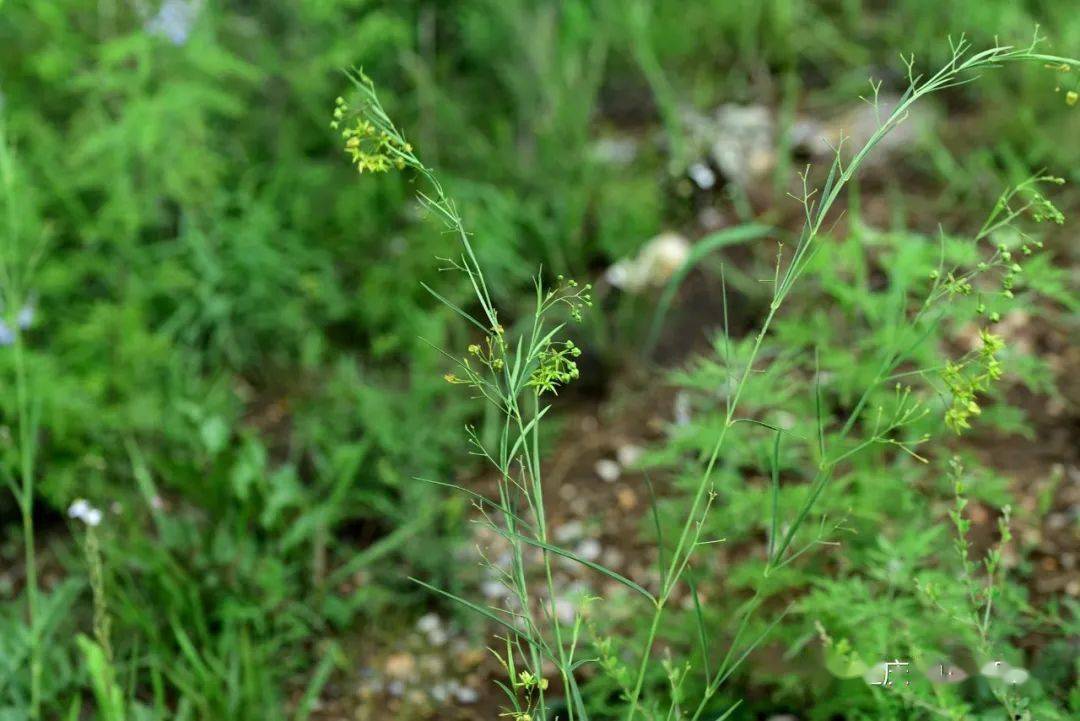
x: 317, y: 682
x: 469, y: 604
x: 818, y: 406
x: 573, y: 557
x: 702, y: 248
x: 525, y: 432
x: 656, y: 522
x: 453, y: 307
x: 775, y: 462
x: 702, y: 636
x: 730, y: 711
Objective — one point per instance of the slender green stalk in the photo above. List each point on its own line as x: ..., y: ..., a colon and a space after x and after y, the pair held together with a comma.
x: 508, y: 381
x: 13, y: 267
x: 26, y: 508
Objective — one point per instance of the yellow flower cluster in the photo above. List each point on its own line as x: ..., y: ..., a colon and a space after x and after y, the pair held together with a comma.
x: 1071, y: 97
x: 369, y: 148
x: 970, y: 377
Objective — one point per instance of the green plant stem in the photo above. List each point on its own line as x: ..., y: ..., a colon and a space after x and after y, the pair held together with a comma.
x: 12, y: 279
x: 670, y: 578
x: 26, y: 508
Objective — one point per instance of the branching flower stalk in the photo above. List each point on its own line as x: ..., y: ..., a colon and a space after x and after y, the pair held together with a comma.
x: 976, y: 611
x: 513, y: 372
x: 817, y: 206
x: 512, y: 376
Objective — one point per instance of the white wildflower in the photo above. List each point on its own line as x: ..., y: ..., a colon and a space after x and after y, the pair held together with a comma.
x: 82, y: 510
x: 589, y: 549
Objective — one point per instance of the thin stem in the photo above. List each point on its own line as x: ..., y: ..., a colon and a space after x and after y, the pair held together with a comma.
x: 11, y: 278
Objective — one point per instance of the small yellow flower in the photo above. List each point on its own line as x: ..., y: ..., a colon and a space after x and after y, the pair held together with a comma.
x: 1071, y: 97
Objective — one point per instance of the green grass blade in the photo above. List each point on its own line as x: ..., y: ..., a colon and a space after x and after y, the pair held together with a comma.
x: 573, y: 557
x: 486, y: 613
x: 702, y: 248
x: 775, y: 463
x: 317, y: 683
x: 702, y: 636
x: 453, y: 307
x: 659, y: 530
x: 730, y: 711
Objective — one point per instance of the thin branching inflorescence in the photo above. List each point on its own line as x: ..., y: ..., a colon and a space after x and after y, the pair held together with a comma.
x: 963, y: 67
x: 514, y: 371
x: 513, y: 375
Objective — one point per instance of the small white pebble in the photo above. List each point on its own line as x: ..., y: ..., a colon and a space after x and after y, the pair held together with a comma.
x: 428, y: 622
x: 569, y: 531
x: 492, y: 589
x: 702, y: 175
x: 682, y: 410
x: 564, y: 611
x: 608, y: 470
x: 589, y: 549
x: 628, y: 454
x: 613, y: 558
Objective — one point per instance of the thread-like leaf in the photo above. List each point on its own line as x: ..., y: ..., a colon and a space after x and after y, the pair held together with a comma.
x: 702, y: 636
x: 453, y: 307
x: 775, y: 462
x: 730, y: 711
x: 574, y: 557
x: 486, y: 613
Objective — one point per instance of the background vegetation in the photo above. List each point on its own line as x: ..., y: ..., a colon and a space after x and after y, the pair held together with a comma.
x: 218, y: 336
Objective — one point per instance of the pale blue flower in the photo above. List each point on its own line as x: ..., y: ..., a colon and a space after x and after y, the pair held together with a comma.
x: 174, y: 20
x: 23, y: 320
x: 25, y: 316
